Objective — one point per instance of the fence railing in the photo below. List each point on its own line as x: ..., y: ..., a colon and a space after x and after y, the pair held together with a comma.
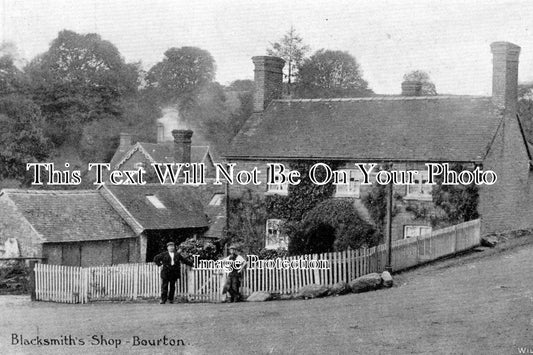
x: 71, y: 284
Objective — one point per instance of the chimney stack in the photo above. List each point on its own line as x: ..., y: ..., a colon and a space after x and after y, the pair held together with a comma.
x: 411, y: 88
x: 125, y: 142
x: 160, y: 132
x: 182, y: 145
x: 268, y: 78
x: 505, y: 75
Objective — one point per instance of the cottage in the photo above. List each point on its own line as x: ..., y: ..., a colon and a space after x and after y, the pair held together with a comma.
x: 180, y: 150
x: 110, y: 225
x: 407, y: 131
x: 140, y: 155
x: 161, y: 213
x: 67, y: 227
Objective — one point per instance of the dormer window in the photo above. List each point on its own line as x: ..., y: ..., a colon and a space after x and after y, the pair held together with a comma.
x: 216, y: 200
x: 155, y: 202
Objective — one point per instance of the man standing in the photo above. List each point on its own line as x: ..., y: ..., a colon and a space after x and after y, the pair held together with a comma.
x: 170, y: 271
x: 234, y: 276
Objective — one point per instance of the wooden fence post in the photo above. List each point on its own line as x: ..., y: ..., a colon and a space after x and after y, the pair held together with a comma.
x: 135, y: 281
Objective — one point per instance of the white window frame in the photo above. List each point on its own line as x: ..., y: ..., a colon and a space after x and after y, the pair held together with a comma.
x: 140, y: 165
x: 217, y: 199
x: 274, y: 238
x: 352, y: 187
x: 420, y: 190
x: 278, y: 189
x: 417, y: 231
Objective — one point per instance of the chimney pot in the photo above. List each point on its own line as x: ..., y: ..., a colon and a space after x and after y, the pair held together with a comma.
x: 411, y: 88
x: 182, y: 145
x: 505, y: 75
x: 268, y: 79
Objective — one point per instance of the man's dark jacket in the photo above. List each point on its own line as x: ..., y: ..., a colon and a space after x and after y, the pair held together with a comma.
x: 168, y: 271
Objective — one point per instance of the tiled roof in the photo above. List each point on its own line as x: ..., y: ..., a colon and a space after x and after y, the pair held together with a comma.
x: 433, y: 128
x: 68, y: 216
x: 183, y: 209
x: 159, y: 153
x: 164, y: 152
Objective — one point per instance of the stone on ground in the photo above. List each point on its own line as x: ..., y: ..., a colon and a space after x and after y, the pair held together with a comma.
x: 259, y: 296
x: 312, y: 291
x: 366, y: 283
x: 489, y: 241
x: 387, y: 279
x: 340, y: 288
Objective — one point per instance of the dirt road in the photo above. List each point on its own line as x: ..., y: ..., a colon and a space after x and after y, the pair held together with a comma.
x: 478, y: 305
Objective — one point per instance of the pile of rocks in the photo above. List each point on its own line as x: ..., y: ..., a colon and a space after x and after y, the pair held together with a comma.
x: 364, y: 283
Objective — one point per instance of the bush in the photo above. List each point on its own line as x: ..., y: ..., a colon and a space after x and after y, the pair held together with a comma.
x: 14, y: 277
x: 333, y: 225
x: 272, y: 253
x: 205, y: 250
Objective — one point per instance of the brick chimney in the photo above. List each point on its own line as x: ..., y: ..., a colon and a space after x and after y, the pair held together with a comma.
x: 125, y: 142
x: 182, y: 145
x: 160, y: 132
x: 505, y: 75
x: 411, y: 88
x: 268, y: 78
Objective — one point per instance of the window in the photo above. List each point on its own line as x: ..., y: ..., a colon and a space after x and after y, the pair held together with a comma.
x: 420, y: 190
x: 279, y: 189
x: 155, y: 202
x: 415, y: 231
x: 140, y: 165
x: 216, y: 200
x: 350, y: 185
x: 274, y: 238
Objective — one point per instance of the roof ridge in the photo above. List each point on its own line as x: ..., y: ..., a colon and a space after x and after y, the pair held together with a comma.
x: 172, y: 142
x: 386, y: 98
x: 44, y: 192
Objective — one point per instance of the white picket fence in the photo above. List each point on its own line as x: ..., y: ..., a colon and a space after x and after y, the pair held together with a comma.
x: 71, y: 284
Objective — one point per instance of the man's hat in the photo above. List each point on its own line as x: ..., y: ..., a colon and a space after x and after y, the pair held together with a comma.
x: 171, y: 243
x: 234, y: 246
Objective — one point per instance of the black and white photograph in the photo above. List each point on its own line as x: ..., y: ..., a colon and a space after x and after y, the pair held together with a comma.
x: 266, y: 177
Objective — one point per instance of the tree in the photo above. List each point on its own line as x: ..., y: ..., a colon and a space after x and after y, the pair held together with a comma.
x: 80, y: 79
x: 525, y: 109
x: 181, y: 75
x: 12, y: 80
x: 246, y: 223
x: 244, y: 92
x: 21, y: 137
x: 330, y: 73
x: 428, y: 88
x: 292, y: 50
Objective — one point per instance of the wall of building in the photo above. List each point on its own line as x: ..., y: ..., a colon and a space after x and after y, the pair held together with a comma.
x: 14, y: 225
x: 93, y: 253
x: 508, y: 204
x: 402, y: 218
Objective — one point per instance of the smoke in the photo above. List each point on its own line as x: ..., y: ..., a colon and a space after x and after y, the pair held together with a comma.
x: 11, y: 50
x: 172, y: 120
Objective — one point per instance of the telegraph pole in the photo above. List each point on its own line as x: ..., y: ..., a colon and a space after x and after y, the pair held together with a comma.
x: 388, y: 266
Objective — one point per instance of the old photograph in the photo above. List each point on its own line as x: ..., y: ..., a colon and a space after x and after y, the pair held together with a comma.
x: 266, y: 177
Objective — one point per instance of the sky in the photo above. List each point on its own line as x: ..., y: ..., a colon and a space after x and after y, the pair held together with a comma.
x: 448, y: 39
